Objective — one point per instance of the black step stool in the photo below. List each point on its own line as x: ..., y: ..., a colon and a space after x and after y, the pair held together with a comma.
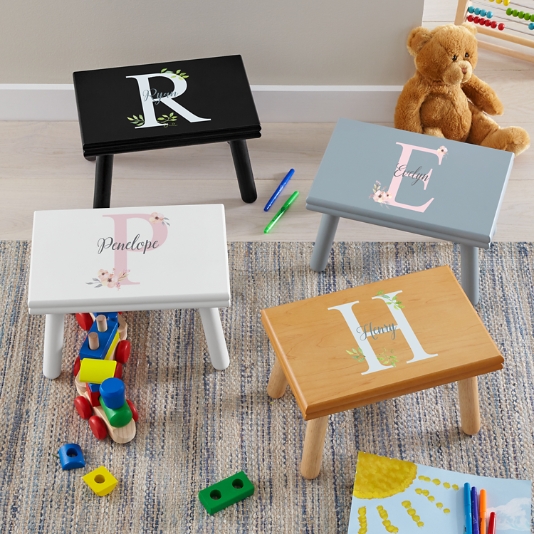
x: 164, y: 105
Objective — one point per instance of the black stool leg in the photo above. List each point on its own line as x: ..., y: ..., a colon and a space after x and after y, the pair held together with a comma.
x: 103, y: 174
x: 243, y: 170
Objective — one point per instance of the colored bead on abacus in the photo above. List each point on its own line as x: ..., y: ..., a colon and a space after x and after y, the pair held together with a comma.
x: 477, y: 11
x: 501, y: 26
x: 493, y: 24
x: 483, y: 12
x: 489, y: 14
x: 471, y: 9
x: 531, y: 26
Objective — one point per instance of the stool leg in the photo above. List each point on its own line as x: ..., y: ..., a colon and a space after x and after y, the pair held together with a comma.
x: 103, y: 175
x: 211, y: 321
x: 312, y: 455
x: 53, y: 345
x: 277, y: 382
x: 323, y: 243
x: 243, y: 170
x: 470, y: 272
x: 469, y: 407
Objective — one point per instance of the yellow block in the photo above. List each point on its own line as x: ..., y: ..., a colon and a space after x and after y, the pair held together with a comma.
x: 96, y: 371
x: 113, y: 346
x: 101, y: 481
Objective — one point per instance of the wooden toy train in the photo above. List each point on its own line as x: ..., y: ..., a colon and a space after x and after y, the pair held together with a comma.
x: 98, y: 372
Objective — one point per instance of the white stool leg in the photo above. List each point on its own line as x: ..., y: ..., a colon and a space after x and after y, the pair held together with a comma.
x: 211, y: 322
x: 53, y: 345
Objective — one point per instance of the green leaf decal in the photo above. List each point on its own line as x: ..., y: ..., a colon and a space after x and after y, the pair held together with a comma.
x: 163, y: 70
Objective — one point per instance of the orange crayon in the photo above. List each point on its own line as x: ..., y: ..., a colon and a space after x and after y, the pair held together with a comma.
x: 482, y: 511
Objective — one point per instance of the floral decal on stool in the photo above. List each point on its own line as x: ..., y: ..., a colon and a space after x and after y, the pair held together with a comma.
x: 107, y: 279
x: 156, y: 218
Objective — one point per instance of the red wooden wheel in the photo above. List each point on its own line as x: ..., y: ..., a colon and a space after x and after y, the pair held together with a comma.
x: 135, y: 413
x: 122, y: 354
x: 98, y: 427
x: 84, y: 320
x: 83, y: 407
x: 76, y: 366
x: 118, y: 370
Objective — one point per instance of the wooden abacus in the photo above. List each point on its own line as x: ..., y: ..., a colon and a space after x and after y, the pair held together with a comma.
x: 509, y: 20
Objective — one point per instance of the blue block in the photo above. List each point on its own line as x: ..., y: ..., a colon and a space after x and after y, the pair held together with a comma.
x: 104, y: 339
x: 71, y: 456
x: 111, y: 316
x: 113, y: 393
x: 93, y: 387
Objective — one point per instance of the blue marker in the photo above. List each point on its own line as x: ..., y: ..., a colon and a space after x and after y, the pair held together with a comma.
x: 474, y: 510
x: 467, y: 508
x: 279, y: 189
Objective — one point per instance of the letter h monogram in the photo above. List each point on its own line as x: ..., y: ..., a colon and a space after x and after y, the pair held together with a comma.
x: 402, y: 324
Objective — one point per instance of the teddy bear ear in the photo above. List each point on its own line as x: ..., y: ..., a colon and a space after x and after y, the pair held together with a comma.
x: 471, y: 27
x: 417, y: 39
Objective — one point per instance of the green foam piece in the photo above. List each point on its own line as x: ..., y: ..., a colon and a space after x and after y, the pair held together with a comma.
x: 226, y: 492
x: 117, y: 418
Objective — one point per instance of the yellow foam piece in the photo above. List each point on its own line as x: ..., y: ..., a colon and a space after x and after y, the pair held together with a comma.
x: 101, y: 481
x: 96, y: 371
x: 113, y: 346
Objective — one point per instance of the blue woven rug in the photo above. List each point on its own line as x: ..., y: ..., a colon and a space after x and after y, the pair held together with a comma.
x: 198, y: 426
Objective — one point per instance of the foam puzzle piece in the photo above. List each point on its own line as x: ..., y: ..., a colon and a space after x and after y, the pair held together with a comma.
x: 71, y: 456
x: 101, y: 481
x: 226, y: 492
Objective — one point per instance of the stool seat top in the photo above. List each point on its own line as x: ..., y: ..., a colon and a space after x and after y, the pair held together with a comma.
x: 163, y: 105
x: 412, y: 182
x: 379, y: 341
x: 121, y: 259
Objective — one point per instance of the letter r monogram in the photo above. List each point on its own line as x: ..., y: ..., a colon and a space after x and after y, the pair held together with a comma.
x: 402, y: 324
x: 180, y: 85
x: 159, y: 234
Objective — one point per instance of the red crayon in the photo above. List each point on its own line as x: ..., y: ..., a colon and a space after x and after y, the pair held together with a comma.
x: 492, y: 528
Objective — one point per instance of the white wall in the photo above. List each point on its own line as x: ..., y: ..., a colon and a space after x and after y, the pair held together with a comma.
x: 287, y: 42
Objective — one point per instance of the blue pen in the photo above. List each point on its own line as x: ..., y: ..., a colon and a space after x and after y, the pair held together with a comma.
x: 279, y: 189
x: 467, y: 508
x: 474, y: 510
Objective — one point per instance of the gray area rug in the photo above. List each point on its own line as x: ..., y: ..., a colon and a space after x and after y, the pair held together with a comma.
x: 198, y: 426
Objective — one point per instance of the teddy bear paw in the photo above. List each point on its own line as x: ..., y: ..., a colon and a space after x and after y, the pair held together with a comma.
x: 512, y: 139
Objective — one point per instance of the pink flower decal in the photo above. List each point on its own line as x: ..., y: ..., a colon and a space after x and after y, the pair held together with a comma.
x: 379, y: 194
x: 111, y: 280
x: 442, y: 149
x: 156, y: 218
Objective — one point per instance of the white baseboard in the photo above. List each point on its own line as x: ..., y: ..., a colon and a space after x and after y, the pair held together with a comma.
x: 275, y: 103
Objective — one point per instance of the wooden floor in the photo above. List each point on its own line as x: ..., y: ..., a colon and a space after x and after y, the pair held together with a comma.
x: 41, y: 167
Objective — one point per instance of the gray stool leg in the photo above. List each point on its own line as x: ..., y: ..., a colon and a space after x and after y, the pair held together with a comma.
x: 470, y: 272
x: 323, y: 243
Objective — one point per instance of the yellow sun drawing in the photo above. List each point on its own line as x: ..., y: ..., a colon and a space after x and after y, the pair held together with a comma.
x: 378, y: 477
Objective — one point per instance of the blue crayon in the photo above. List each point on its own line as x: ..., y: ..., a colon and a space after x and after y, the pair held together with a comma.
x: 467, y: 509
x: 279, y: 189
x: 474, y: 510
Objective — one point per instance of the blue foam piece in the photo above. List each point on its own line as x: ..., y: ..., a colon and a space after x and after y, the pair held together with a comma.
x: 113, y: 393
x: 104, y: 339
x: 71, y: 456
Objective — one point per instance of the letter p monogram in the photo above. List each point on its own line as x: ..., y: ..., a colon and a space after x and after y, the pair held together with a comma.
x: 159, y: 235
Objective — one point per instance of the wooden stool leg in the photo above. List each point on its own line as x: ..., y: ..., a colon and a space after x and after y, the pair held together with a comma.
x: 211, y: 321
x: 243, y: 170
x: 53, y: 345
x: 470, y: 272
x: 323, y: 242
x: 277, y: 382
x: 312, y: 455
x: 103, y: 175
x: 469, y: 407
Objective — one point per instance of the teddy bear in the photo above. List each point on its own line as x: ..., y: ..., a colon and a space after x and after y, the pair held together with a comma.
x: 445, y: 99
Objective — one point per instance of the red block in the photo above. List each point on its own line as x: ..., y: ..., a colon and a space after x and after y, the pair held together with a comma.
x: 93, y: 395
x: 84, y: 320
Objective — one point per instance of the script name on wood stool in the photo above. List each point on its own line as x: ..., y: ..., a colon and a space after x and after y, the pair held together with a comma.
x: 412, y: 182
x: 379, y: 341
x: 164, y: 105
x: 149, y: 258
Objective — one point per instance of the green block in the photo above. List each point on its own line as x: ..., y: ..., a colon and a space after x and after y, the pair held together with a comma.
x: 117, y: 418
x: 226, y: 492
